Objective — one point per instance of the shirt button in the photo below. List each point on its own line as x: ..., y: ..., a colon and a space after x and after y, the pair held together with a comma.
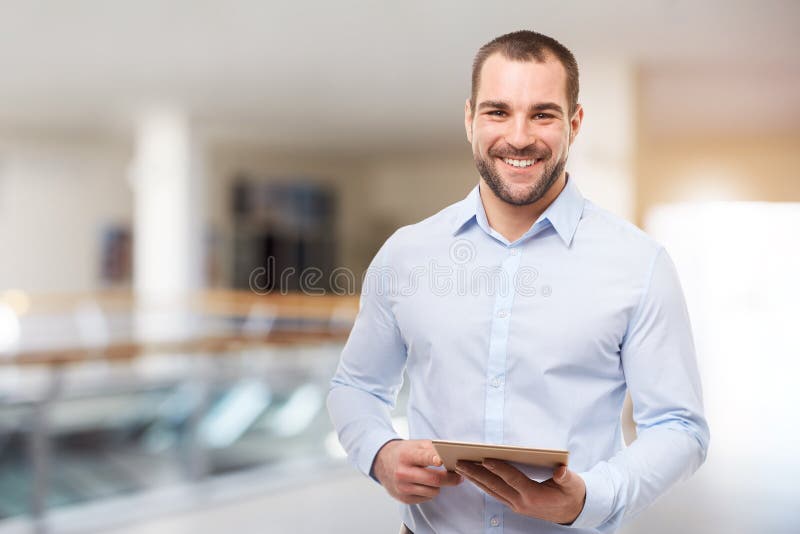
x: 496, y: 382
x: 514, y: 252
x: 503, y: 314
x: 494, y: 521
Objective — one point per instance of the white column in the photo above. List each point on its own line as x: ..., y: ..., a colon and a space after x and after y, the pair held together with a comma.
x: 602, y: 157
x: 168, y: 230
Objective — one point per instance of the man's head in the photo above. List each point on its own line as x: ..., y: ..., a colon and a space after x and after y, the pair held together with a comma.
x: 526, y: 45
x: 523, y: 114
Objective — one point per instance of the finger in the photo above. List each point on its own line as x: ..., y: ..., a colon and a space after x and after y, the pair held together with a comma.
x: 449, y: 478
x: 510, y: 474
x: 489, y: 490
x: 417, y: 475
x: 424, y: 455
x: 562, y: 475
x: 497, y: 485
x: 428, y: 476
x: 443, y: 477
x: 418, y: 490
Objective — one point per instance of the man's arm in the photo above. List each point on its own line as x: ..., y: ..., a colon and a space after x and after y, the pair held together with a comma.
x: 661, y: 371
x: 660, y: 366
x: 364, y: 390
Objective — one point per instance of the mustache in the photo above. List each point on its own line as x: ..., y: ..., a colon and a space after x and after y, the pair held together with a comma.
x: 529, y: 152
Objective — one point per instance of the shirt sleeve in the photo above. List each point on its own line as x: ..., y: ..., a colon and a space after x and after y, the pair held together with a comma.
x: 364, y: 389
x: 658, y: 359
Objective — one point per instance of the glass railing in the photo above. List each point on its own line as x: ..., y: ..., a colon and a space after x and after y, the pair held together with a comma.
x: 84, y: 425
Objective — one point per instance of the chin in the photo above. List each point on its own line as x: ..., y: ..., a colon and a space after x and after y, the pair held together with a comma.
x: 520, y: 189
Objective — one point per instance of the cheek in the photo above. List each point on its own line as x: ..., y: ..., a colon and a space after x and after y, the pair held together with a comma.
x: 479, y: 144
x: 487, y: 134
x: 556, y: 139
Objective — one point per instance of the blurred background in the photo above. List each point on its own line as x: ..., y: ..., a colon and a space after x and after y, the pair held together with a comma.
x: 173, y: 173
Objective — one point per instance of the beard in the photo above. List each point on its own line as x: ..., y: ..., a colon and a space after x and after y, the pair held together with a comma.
x: 487, y: 167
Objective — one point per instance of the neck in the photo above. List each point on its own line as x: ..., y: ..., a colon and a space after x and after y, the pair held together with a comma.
x: 512, y: 221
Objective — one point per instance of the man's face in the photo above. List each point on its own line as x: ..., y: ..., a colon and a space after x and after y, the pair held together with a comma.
x: 519, y: 130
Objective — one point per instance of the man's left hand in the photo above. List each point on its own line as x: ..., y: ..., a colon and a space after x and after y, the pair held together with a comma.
x: 559, y: 499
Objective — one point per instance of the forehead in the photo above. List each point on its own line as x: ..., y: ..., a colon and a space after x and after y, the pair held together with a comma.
x: 522, y: 82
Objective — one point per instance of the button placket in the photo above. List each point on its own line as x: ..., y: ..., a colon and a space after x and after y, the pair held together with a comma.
x: 495, y: 374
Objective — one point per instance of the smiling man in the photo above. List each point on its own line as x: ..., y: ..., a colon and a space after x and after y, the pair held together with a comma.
x: 555, y: 308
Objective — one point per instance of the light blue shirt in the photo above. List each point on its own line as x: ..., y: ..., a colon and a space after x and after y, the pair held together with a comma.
x: 532, y: 343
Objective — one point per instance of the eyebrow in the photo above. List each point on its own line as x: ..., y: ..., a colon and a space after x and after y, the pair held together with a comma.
x: 536, y: 108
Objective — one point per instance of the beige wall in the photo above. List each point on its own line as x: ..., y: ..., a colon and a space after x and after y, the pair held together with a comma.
x: 57, y: 193
x: 378, y: 193
x: 732, y: 168
x: 344, y: 173
x: 405, y: 189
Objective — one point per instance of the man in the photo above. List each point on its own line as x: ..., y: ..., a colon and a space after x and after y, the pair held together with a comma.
x: 543, y: 311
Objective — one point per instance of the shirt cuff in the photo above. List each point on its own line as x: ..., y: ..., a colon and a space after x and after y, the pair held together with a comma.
x: 372, y: 443
x: 599, y: 499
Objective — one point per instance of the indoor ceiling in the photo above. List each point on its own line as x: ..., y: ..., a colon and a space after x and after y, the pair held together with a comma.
x: 370, y: 74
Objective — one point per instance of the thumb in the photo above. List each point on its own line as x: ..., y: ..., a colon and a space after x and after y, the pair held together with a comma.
x: 433, y: 456
x: 426, y: 455
x: 562, y: 475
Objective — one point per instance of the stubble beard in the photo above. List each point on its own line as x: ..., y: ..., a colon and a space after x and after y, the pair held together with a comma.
x: 550, y: 174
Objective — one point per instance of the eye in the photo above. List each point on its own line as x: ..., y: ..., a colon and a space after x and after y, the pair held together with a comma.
x: 542, y: 116
x: 497, y: 113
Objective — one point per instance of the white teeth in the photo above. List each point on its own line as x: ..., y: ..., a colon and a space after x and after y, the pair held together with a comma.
x: 520, y: 162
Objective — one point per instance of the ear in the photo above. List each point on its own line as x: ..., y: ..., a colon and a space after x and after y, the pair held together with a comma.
x: 468, y: 120
x: 575, y: 123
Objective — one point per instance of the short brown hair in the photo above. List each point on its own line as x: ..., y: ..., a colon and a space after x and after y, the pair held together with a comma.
x: 526, y: 45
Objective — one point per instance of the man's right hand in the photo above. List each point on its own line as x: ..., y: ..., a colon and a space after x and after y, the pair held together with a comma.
x: 403, y: 467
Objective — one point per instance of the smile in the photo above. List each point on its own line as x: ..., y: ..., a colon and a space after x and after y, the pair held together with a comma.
x: 521, y: 163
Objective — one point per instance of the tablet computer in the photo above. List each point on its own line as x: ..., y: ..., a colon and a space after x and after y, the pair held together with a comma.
x: 544, y: 459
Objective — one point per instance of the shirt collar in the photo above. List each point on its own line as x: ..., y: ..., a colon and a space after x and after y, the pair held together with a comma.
x: 563, y: 213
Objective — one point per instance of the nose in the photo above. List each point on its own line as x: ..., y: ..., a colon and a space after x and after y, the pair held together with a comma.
x: 520, y: 133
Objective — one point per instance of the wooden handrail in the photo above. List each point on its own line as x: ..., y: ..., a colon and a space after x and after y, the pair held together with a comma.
x: 216, y: 345
x: 213, y: 302
x: 334, y: 312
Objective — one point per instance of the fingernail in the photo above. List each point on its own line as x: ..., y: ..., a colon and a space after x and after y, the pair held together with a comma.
x: 437, y: 460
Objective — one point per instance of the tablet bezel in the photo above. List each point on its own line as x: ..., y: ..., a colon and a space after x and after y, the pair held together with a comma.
x: 452, y: 451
